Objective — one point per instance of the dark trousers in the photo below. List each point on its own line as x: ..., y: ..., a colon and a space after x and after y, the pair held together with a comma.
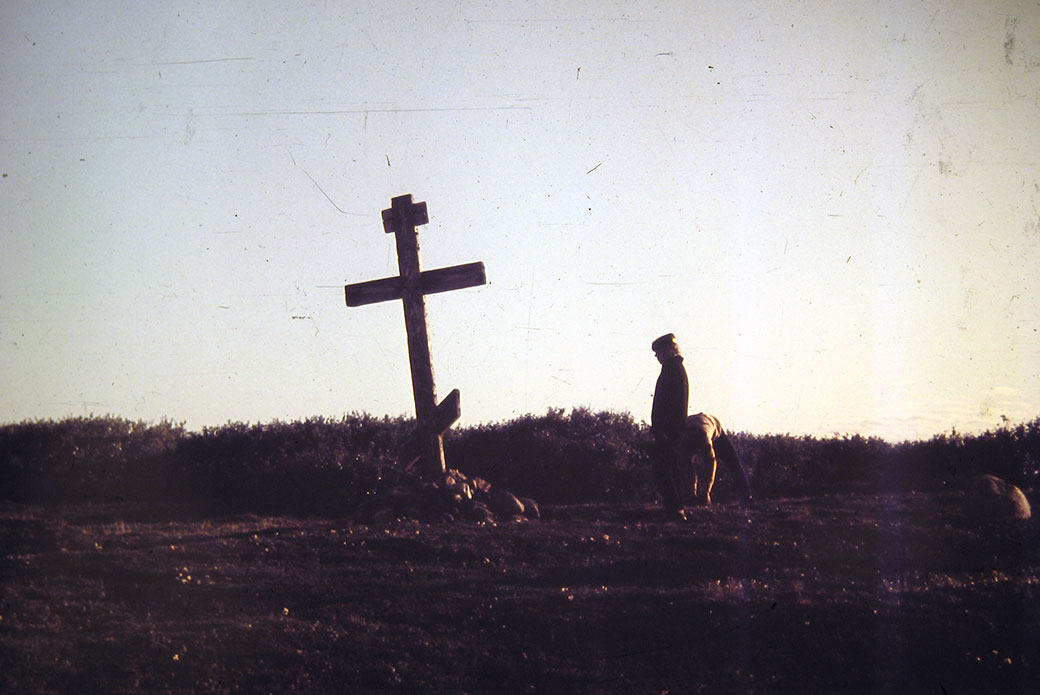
x: 664, y: 458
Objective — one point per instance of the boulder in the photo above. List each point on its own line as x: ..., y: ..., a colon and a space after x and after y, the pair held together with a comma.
x: 504, y: 503
x: 990, y: 498
x: 531, y: 510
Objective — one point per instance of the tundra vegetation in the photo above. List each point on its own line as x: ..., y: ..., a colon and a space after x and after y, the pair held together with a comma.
x: 142, y: 557
x: 322, y: 465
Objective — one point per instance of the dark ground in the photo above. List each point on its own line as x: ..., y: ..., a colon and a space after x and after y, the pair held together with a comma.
x: 838, y: 594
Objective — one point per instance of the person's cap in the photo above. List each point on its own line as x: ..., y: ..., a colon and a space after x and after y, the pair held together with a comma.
x: 665, y: 342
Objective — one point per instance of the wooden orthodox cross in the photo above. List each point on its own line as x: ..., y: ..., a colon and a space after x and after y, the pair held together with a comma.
x: 412, y: 286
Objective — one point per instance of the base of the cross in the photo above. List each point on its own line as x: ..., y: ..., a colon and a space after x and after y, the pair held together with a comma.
x: 451, y: 496
x: 431, y: 461
x: 411, y: 452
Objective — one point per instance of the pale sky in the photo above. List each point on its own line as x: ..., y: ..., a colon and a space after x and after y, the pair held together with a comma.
x: 835, y: 206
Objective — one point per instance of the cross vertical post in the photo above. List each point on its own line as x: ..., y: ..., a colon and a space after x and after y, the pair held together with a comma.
x: 411, y: 286
x: 404, y: 217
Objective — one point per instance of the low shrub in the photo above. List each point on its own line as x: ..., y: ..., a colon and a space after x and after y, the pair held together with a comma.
x: 559, y: 458
x: 85, y: 459
x: 325, y: 465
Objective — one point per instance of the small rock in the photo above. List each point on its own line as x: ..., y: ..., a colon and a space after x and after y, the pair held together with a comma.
x: 460, y: 503
x: 400, y: 495
x: 480, y: 513
x: 462, y: 488
x: 480, y: 485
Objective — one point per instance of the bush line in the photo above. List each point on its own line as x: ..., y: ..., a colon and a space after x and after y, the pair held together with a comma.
x: 324, y: 465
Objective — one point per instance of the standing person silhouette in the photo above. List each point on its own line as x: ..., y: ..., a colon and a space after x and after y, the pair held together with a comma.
x: 667, y: 421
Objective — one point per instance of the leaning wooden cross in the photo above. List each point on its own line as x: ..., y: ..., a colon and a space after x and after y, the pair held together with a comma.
x: 412, y: 286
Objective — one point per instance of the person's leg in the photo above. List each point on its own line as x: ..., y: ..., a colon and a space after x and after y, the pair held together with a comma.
x: 664, y: 476
x: 707, y: 457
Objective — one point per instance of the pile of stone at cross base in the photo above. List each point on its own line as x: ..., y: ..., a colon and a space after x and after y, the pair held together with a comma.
x: 451, y: 496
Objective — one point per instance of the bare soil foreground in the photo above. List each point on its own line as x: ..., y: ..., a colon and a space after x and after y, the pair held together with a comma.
x: 839, y: 594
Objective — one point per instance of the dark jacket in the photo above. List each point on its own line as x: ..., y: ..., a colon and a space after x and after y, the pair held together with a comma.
x: 671, y: 398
